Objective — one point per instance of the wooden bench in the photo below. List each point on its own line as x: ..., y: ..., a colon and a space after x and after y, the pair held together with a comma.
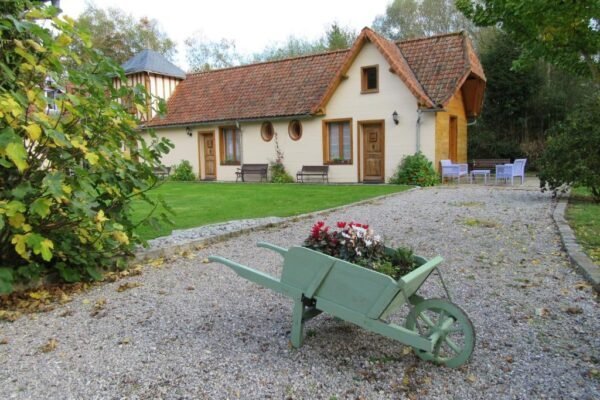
x: 313, y: 170
x: 252, y: 169
x: 489, y: 163
x: 162, y: 172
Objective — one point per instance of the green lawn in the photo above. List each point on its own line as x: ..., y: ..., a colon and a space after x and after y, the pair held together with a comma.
x: 584, y: 217
x: 197, y: 204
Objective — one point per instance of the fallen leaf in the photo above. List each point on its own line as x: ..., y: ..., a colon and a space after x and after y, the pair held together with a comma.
x: 542, y: 312
x: 509, y: 359
x: 574, y: 310
x: 205, y: 261
x: 582, y: 285
x: 86, y: 301
x: 50, y: 346
x: 471, y: 378
x: 157, y: 263
x: 406, y: 350
x: 4, y: 341
x: 128, y: 285
x: 9, y: 315
x: 190, y: 288
x: 124, y: 341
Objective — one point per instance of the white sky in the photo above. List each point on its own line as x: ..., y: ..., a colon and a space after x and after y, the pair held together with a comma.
x: 252, y: 24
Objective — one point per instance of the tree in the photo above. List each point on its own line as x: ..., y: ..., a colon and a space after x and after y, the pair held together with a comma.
x: 203, y: 54
x: 405, y: 19
x: 66, y: 185
x: 335, y: 37
x: 338, y: 38
x: 572, y: 155
x: 521, y: 105
x: 120, y: 36
x: 564, y: 33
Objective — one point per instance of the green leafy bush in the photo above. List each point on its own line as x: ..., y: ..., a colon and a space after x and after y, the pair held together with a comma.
x: 415, y: 170
x: 66, y: 185
x: 183, y: 172
x: 278, y: 172
x: 571, y: 157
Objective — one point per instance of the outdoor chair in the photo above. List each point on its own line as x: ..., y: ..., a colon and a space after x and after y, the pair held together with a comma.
x: 509, y: 171
x: 454, y: 171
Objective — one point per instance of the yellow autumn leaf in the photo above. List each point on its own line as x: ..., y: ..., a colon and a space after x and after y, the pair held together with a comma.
x: 17, y: 220
x: 92, y: 158
x: 39, y: 295
x: 20, y: 246
x: 34, y: 131
x: 100, y: 217
x: 121, y: 237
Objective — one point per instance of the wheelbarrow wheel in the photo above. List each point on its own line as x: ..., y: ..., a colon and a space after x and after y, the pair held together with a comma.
x: 449, y: 326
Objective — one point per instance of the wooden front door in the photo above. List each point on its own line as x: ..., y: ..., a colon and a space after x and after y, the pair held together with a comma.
x: 210, y: 158
x: 453, y: 140
x: 373, y: 153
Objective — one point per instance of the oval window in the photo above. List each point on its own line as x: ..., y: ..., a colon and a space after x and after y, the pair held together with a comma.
x: 267, y: 131
x: 295, y: 129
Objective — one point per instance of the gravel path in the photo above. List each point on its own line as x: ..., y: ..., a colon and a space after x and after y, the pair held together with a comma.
x: 193, y: 330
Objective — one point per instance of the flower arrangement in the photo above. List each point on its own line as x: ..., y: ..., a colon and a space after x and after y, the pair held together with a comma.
x: 357, y: 243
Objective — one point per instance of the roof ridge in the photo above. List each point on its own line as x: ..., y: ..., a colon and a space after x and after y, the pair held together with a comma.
x: 440, y: 35
x: 270, y: 61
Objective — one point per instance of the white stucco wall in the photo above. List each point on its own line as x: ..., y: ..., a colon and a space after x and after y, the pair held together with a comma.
x: 347, y: 102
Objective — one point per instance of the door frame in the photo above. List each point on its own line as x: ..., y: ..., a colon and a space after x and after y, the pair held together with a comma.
x: 361, y: 146
x: 202, y: 156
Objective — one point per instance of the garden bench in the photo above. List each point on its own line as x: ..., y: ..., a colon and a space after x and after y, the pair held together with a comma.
x: 313, y: 170
x: 489, y: 163
x: 251, y: 169
x: 162, y: 172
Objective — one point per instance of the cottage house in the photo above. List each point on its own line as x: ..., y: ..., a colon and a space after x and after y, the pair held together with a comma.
x: 359, y: 110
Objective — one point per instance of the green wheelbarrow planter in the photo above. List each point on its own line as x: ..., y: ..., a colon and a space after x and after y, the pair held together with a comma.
x: 437, y: 329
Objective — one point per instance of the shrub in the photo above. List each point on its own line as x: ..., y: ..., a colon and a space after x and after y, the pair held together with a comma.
x: 66, y: 185
x: 278, y: 172
x: 571, y: 156
x: 415, y: 170
x: 183, y: 172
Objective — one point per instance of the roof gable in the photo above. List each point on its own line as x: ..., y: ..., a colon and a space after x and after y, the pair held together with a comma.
x: 441, y: 63
x: 151, y: 61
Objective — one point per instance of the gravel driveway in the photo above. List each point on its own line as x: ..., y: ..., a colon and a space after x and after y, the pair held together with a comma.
x: 193, y: 330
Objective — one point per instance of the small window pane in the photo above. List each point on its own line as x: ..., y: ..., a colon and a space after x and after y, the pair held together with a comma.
x: 347, y: 141
x: 334, y: 141
x: 371, y: 78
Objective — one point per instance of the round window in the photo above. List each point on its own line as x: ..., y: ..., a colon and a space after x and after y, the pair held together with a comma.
x: 267, y: 131
x: 295, y: 129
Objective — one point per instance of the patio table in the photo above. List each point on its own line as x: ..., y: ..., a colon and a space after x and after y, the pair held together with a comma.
x: 480, y: 172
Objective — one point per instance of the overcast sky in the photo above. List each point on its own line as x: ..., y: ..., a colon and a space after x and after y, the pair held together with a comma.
x: 253, y: 24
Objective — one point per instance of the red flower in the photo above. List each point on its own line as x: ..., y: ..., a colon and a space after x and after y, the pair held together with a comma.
x: 316, y: 229
x: 341, y: 224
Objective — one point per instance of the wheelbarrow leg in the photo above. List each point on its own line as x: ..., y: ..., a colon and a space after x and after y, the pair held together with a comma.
x: 298, y: 323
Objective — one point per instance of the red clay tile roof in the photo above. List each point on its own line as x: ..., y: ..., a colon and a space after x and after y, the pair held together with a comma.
x: 270, y: 89
x: 432, y: 68
x: 441, y: 63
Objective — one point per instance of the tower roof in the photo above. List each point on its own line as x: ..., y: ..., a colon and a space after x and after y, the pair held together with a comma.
x: 151, y: 61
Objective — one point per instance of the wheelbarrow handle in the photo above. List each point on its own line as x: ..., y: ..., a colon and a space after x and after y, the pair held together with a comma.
x: 273, y: 247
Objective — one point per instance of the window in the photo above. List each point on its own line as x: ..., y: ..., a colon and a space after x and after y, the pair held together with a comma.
x: 370, y: 79
x: 337, y: 141
x: 267, y: 131
x: 231, y: 146
x: 295, y: 129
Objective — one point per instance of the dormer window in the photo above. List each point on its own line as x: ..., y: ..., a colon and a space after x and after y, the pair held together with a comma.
x: 370, y: 79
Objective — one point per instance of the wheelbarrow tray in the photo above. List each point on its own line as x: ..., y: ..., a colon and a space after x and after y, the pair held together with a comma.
x: 321, y: 283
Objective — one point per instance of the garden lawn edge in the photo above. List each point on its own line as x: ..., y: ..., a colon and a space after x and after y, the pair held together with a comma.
x: 577, y: 256
x: 169, y: 251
